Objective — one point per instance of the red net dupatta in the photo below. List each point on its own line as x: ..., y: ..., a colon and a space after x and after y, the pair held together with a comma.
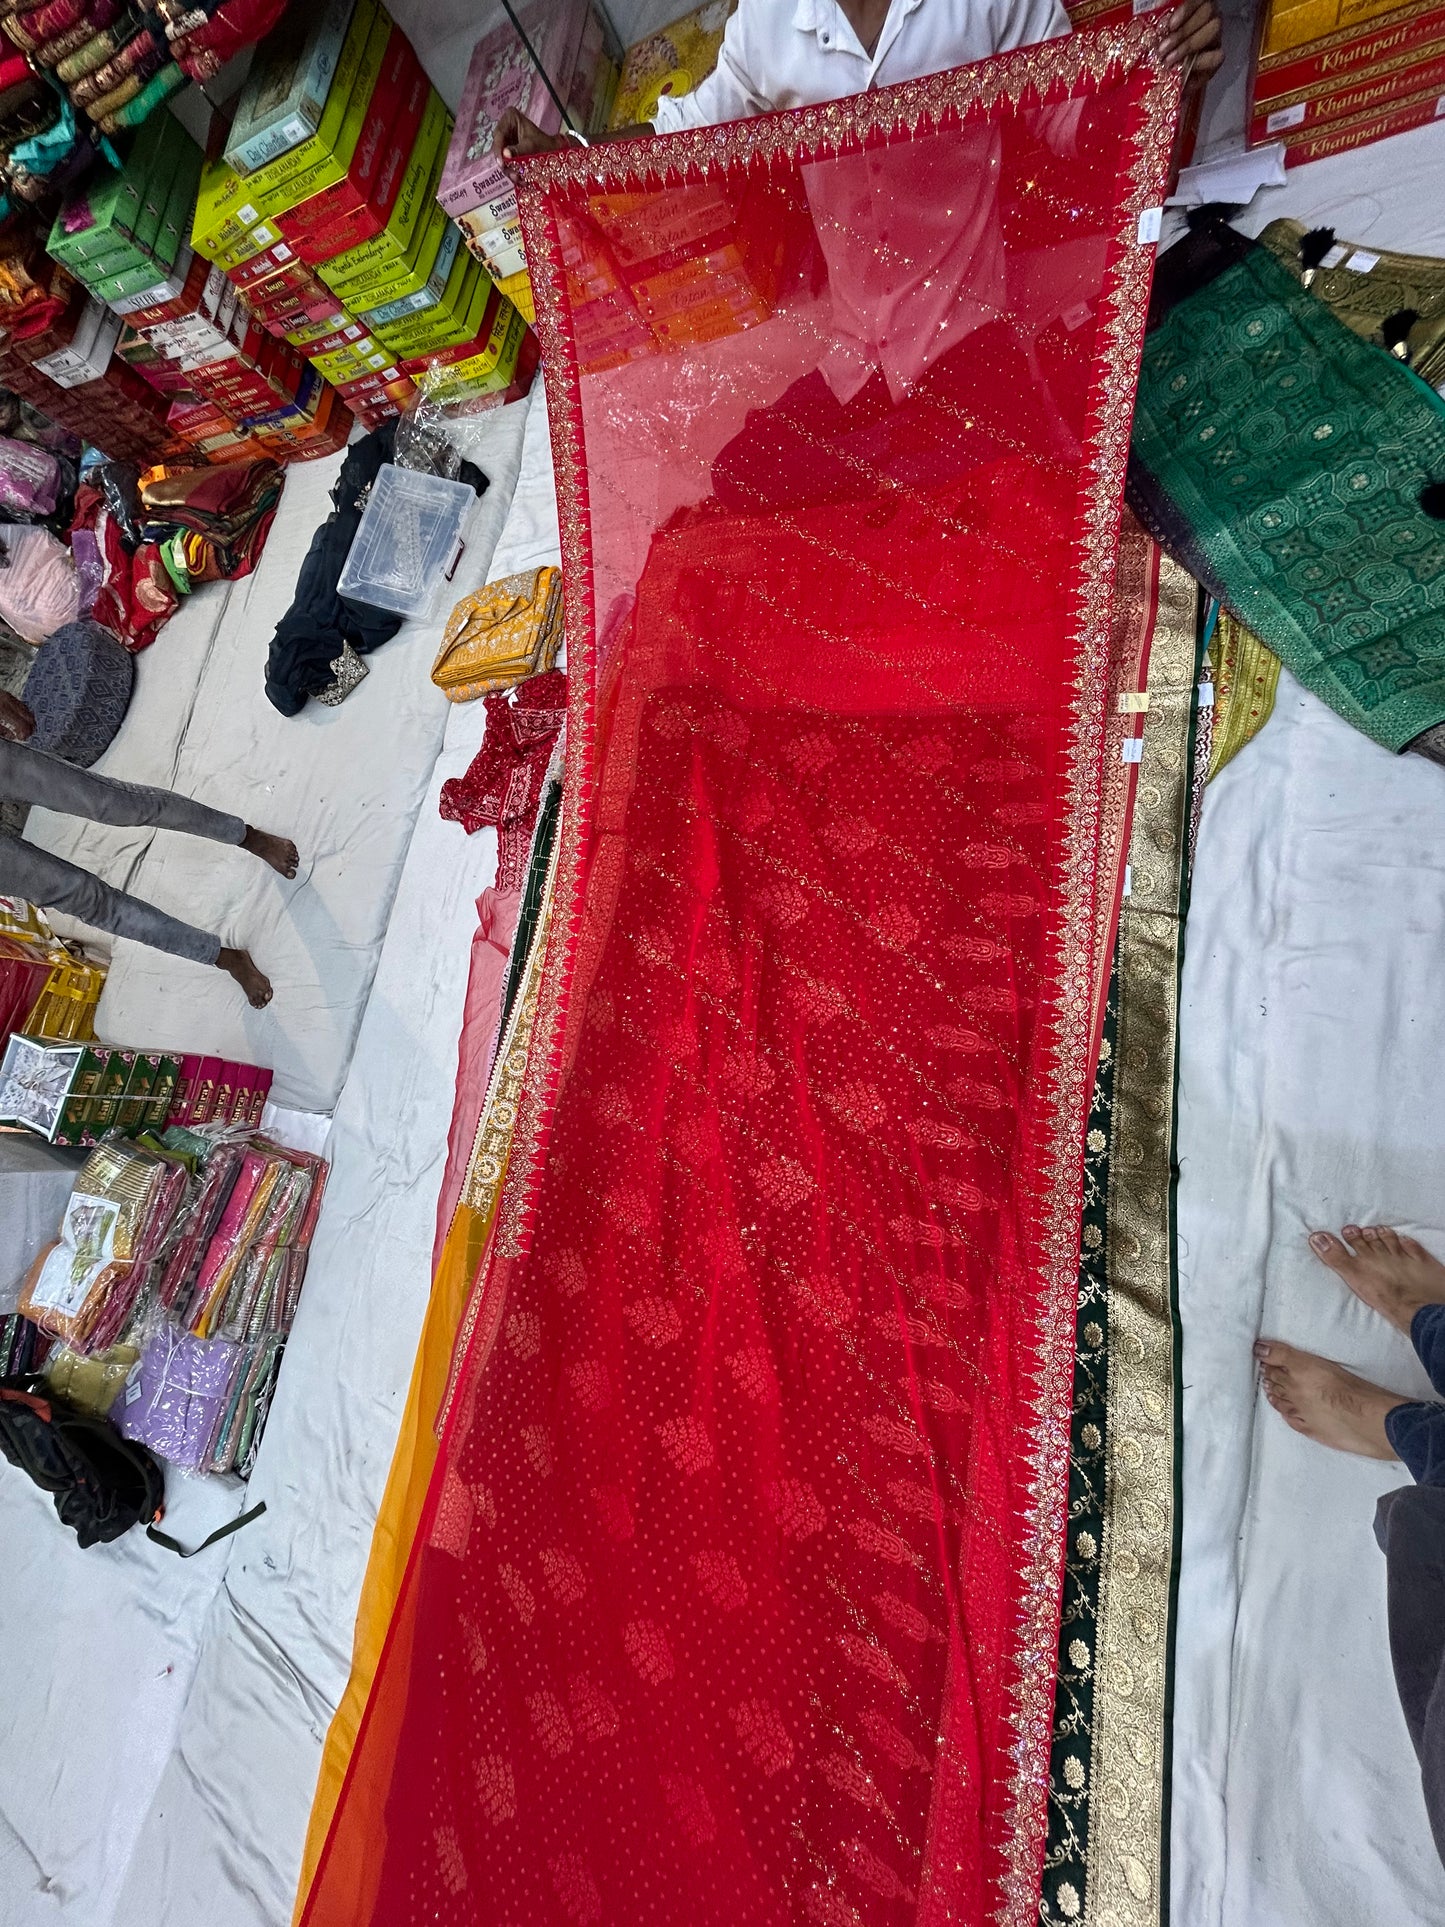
x: 736, y: 1594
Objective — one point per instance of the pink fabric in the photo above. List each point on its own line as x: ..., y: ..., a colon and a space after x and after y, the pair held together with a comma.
x: 497, y: 912
x: 39, y: 591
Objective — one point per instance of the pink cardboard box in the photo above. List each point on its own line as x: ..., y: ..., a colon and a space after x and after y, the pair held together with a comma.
x: 501, y: 76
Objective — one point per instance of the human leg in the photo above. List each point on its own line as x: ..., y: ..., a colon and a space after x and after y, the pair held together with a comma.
x: 1397, y: 1277
x: 31, y: 776
x: 41, y: 878
x: 1410, y: 1528
x: 1327, y: 1403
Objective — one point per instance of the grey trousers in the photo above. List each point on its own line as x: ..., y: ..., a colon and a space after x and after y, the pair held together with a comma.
x: 1410, y: 1527
x: 30, y: 776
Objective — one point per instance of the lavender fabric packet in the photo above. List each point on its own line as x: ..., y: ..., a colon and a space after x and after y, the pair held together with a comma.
x: 175, y: 1396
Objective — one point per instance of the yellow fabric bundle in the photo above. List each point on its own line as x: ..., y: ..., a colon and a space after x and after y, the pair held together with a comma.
x: 505, y: 631
x: 1246, y: 675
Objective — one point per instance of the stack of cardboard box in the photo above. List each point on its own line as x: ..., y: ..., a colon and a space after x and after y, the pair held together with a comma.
x: 703, y: 273
x: 1330, y: 75
x: 323, y: 212
x: 570, y: 41
x: 58, y: 354
x: 122, y: 233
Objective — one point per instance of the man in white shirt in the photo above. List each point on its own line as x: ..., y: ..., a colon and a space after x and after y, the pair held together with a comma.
x: 898, y: 312
x: 776, y: 55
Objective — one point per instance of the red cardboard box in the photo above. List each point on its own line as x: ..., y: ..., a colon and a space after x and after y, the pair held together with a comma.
x: 1289, y: 119
x: 1340, y: 136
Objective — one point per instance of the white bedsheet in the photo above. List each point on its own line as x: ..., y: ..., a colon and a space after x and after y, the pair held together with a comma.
x: 1311, y: 1038
x: 161, y: 1731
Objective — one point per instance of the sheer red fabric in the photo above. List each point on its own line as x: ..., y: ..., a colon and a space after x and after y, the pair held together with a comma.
x: 736, y: 1596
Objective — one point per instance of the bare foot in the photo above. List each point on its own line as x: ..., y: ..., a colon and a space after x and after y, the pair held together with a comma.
x: 238, y: 964
x: 1328, y: 1404
x: 1394, y: 1276
x: 274, y: 850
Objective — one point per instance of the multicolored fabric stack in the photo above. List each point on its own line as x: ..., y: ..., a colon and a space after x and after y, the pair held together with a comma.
x: 176, y: 1276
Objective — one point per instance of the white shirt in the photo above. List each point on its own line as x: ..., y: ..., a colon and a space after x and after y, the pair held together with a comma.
x: 892, y: 310
x: 775, y: 56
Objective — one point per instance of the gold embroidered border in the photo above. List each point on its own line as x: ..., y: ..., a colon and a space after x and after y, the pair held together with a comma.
x: 1128, y: 1818
x: 1051, y: 69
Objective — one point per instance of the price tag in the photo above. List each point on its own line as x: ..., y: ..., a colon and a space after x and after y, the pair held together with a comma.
x: 1285, y: 117
x: 1131, y: 750
x: 1151, y: 221
x: 1361, y: 261
x: 1206, y: 695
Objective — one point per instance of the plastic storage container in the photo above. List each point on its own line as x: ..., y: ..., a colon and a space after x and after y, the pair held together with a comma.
x: 409, y: 543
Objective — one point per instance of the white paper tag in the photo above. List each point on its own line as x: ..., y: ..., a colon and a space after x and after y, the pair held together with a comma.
x: 1440, y: 108
x: 133, y: 1385
x: 1134, y: 702
x: 1333, y: 257
x: 1206, y: 695
x: 1361, y: 261
x: 1285, y: 117
x: 281, y: 251
x: 1074, y: 318
x: 1131, y: 750
x: 248, y: 215
x: 1128, y: 880
x: 1151, y: 221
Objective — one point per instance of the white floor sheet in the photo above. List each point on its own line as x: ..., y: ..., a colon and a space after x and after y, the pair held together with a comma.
x: 1310, y: 1084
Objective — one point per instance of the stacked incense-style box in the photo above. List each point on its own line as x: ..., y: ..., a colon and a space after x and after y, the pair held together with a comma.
x: 1330, y: 75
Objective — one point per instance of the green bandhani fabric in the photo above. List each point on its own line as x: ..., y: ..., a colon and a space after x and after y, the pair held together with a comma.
x: 1281, y: 459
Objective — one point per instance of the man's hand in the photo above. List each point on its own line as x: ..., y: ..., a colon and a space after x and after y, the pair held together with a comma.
x: 17, y: 719
x: 516, y: 137
x: 1195, y: 35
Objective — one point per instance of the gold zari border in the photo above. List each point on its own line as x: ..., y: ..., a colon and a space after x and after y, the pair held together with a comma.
x: 1128, y: 1818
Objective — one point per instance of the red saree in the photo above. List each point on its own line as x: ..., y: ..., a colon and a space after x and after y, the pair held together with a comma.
x: 735, y: 1598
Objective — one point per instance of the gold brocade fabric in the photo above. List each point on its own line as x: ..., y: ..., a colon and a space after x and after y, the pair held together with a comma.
x: 503, y: 632
x: 1106, y: 1863
x: 1363, y: 296
x: 1246, y: 676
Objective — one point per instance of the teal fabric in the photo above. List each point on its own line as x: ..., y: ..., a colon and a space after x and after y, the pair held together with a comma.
x: 1281, y: 458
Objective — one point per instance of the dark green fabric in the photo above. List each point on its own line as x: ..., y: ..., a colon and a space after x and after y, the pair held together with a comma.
x: 1281, y: 458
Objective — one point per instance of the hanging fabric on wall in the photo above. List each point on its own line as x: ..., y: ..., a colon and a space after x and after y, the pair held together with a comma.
x: 735, y: 1594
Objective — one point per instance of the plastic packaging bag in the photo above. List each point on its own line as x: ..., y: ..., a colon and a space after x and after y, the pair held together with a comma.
x: 40, y: 590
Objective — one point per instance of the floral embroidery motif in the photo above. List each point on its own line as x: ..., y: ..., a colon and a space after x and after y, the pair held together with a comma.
x: 763, y: 1736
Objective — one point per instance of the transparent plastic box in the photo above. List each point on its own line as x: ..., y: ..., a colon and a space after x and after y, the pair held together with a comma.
x: 409, y: 543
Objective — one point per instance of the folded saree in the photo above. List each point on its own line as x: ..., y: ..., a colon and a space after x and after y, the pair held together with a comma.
x: 1395, y: 300
x: 1297, y: 471
x: 735, y: 1596
x: 499, y: 634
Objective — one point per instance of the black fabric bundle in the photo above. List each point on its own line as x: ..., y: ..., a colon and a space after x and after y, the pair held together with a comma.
x: 310, y: 637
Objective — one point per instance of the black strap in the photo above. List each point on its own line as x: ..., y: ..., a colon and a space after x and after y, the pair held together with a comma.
x: 221, y: 1532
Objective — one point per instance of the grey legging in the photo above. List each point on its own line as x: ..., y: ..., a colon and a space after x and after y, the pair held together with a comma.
x: 30, y: 776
